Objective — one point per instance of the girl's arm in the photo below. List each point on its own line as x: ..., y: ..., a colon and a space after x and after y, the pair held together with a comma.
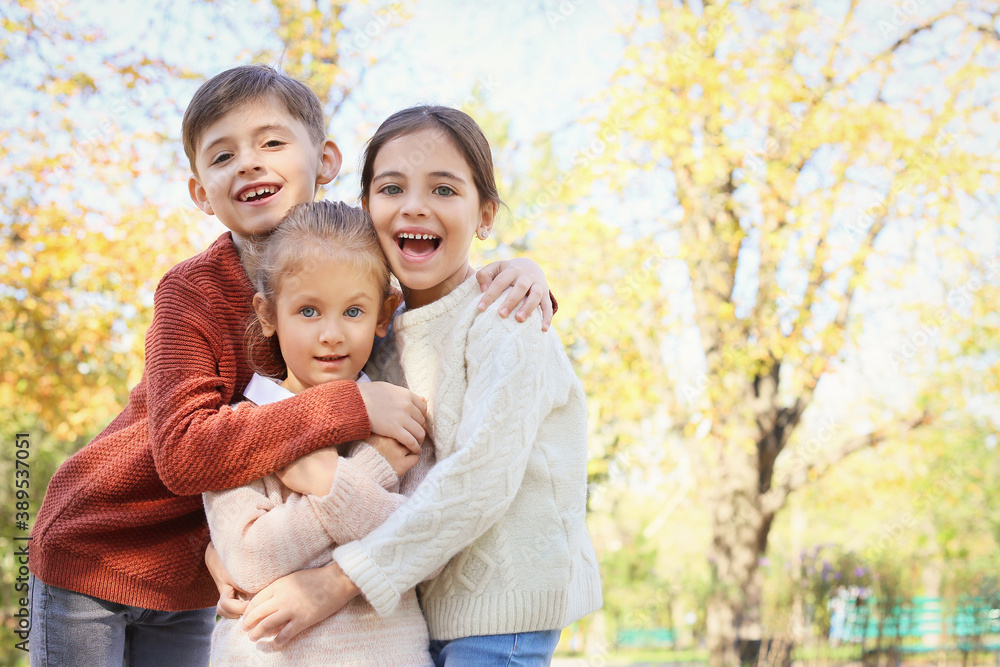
x: 200, y: 444
x: 259, y: 538
x: 460, y: 499
x: 526, y: 281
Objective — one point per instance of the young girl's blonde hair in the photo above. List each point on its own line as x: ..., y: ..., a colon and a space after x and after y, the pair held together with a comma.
x: 315, y: 231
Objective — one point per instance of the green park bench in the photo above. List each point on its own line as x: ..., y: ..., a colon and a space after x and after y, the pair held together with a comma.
x: 641, y: 638
x: 973, y: 625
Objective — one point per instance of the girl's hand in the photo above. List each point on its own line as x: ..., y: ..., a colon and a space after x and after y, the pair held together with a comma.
x: 313, y: 473
x: 399, y: 457
x: 395, y: 412
x: 232, y: 601
x: 297, y: 602
x: 526, y: 280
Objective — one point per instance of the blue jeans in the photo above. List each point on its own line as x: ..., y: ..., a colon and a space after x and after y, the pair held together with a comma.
x: 524, y: 649
x: 69, y: 628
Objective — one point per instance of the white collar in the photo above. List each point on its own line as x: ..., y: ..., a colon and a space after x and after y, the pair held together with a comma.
x: 262, y: 390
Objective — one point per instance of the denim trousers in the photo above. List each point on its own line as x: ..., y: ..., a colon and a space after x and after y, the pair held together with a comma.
x: 69, y: 628
x: 523, y: 649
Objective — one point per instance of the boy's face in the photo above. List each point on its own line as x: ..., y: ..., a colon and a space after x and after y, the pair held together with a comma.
x: 257, y: 162
x: 326, y: 316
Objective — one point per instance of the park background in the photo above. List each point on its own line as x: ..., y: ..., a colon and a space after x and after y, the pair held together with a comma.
x: 772, y: 228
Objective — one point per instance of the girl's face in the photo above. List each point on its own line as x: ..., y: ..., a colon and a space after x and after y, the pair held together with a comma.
x: 426, y: 210
x: 326, y: 316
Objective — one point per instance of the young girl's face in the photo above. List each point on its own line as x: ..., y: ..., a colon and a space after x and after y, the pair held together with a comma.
x: 326, y: 316
x: 426, y: 210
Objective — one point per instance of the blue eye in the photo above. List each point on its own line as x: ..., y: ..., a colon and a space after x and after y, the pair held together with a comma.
x: 354, y: 311
x: 308, y: 311
x: 444, y: 191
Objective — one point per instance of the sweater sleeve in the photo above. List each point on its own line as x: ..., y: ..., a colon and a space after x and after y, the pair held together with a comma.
x: 201, y: 444
x: 260, y: 538
x: 508, y: 396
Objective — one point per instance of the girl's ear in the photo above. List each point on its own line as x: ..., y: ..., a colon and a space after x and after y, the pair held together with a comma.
x: 260, y: 306
x: 489, y: 214
x: 199, y: 196
x: 330, y: 161
x: 388, y: 309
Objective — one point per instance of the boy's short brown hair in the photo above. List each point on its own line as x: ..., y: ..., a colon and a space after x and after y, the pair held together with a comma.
x: 244, y: 85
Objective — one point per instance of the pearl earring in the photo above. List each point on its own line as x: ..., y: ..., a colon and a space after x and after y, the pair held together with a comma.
x: 483, y: 234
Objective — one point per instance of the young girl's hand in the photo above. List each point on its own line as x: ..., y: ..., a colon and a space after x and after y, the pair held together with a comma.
x: 298, y: 601
x: 313, y: 473
x: 526, y: 280
x: 399, y: 457
x: 395, y: 412
x: 232, y: 601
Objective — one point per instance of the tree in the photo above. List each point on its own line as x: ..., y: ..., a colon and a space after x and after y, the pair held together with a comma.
x: 795, y: 152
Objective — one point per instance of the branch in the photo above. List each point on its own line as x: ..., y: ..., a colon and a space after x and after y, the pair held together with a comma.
x: 809, y: 471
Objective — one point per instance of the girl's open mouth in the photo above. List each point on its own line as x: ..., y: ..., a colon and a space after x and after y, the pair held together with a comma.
x: 418, y: 245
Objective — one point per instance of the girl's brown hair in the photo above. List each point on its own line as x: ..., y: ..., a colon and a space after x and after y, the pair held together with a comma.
x: 323, y: 231
x: 457, y: 125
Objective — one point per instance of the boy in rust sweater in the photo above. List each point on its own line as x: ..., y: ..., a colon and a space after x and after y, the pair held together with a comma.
x: 118, y: 550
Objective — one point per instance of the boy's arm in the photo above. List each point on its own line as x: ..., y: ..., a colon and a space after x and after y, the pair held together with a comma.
x: 527, y: 283
x: 201, y: 444
x: 260, y: 539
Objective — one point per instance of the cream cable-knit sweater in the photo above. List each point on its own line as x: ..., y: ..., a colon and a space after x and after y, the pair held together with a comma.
x: 506, y: 500
x: 263, y: 531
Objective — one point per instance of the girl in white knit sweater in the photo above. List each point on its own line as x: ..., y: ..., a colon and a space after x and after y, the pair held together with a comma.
x: 323, y: 288
x: 503, y: 509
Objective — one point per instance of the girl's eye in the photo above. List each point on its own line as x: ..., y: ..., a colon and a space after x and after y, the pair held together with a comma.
x: 391, y: 190
x: 221, y: 157
x: 309, y: 311
x: 354, y: 311
x: 443, y: 191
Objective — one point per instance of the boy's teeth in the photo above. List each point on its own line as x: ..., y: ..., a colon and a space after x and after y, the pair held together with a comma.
x: 259, y: 191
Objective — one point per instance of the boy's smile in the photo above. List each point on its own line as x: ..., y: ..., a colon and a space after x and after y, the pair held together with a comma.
x: 257, y: 162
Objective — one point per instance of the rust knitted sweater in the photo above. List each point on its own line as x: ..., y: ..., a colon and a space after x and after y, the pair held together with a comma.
x: 123, y: 519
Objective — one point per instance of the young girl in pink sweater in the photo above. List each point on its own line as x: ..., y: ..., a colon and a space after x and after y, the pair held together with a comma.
x: 323, y: 286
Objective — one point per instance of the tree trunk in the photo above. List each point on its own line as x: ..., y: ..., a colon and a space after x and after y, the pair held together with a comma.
x: 739, y: 540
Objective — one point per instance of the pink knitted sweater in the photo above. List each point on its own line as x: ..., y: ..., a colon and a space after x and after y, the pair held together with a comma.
x: 264, y: 531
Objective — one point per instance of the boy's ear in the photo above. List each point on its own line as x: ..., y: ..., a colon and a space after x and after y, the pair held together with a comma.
x: 489, y: 214
x: 330, y: 161
x: 388, y: 310
x: 263, y: 316
x: 199, y: 196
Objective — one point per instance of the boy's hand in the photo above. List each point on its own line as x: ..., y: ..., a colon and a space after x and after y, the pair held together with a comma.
x: 313, y: 473
x: 232, y: 601
x: 399, y: 457
x: 395, y: 412
x: 526, y: 281
x: 298, y: 601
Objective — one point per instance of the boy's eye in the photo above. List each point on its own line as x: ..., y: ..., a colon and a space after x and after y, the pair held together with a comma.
x: 354, y: 311
x: 443, y: 191
x: 221, y: 157
x: 391, y: 190
x: 308, y: 311
x: 274, y: 143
